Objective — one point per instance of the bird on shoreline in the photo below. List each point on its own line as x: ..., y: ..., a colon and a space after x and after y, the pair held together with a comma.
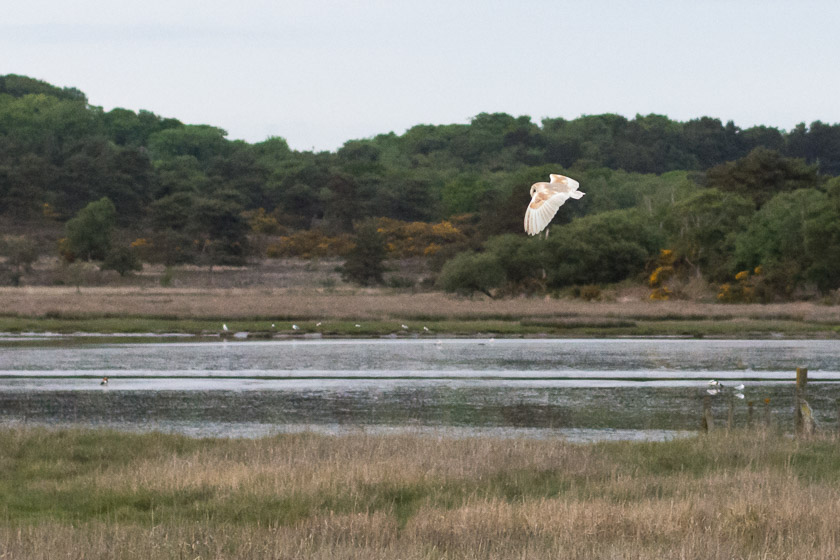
x: 546, y: 199
x: 104, y: 381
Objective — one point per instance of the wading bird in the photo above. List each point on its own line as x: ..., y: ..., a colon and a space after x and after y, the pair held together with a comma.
x: 546, y: 199
x: 716, y: 388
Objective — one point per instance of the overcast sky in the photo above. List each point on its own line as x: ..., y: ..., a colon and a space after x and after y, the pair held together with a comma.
x: 319, y: 73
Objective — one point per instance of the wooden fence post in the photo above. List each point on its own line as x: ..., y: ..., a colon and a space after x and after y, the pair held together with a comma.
x: 803, y: 416
x: 801, y: 381
x: 707, y: 423
x: 767, y: 418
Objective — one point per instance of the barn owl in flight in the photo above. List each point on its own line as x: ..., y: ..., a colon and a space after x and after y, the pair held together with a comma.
x: 546, y: 199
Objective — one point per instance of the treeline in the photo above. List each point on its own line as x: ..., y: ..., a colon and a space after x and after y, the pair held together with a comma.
x: 721, y: 199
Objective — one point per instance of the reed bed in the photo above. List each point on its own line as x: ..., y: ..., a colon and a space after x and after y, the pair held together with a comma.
x: 372, y: 304
x: 101, y: 494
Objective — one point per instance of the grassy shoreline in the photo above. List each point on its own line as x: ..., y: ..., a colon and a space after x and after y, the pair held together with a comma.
x: 383, y: 312
x: 260, y: 329
x: 104, y: 494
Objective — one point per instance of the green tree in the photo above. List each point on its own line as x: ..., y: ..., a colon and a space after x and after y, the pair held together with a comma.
x: 708, y: 140
x: 822, y: 241
x: 190, y: 228
x: 273, y: 153
x: 522, y: 259
x: 464, y: 194
x: 20, y: 253
x: 406, y: 196
x: 764, y: 136
x: 95, y: 168
x: 502, y: 209
x: 776, y: 240
x: 469, y: 272
x: 762, y: 174
x: 821, y: 237
x: 124, y: 127
x: 182, y: 174
x: 89, y: 232
x: 127, y: 128
x: 365, y: 263
x: 18, y: 86
x: 341, y: 203
x: 240, y: 171
x: 703, y: 230
x: 360, y: 157
x: 220, y: 230
x: 121, y: 259
x: 203, y: 142
x: 604, y: 248
x: 26, y: 185
x: 172, y: 211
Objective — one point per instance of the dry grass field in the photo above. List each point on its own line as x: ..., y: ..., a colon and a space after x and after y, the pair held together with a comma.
x: 197, y: 300
x: 139, y: 309
x: 88, y: 494
x: 374, y: 304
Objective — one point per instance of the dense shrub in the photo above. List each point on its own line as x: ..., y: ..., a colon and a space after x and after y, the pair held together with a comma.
x: 472, y: 272
x: 365, y: 261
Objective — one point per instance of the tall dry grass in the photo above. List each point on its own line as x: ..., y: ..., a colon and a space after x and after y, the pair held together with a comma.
x: 320, y: 304
x: 105, y: 495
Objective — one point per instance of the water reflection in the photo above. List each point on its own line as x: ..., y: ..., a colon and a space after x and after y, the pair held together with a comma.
x: 627, y: 388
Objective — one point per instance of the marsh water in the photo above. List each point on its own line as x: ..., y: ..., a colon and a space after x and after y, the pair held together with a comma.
x: 580, y: 389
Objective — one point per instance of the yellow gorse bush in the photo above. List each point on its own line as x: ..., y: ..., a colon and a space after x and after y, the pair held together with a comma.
x: 742, y: 290
x: 663, y: 272
x: 48, y: 211
x: 261, y: 222
x: 413, y: 239
x: 402, y: 239
x: 310, y: 244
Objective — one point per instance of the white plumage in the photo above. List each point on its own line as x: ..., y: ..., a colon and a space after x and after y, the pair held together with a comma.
x: 546, y: 199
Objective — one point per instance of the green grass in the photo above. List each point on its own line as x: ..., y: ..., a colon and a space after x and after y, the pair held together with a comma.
x: 381, y: 312
x: 104, y: 494
x: 261, y: 327
x: 52, y: 474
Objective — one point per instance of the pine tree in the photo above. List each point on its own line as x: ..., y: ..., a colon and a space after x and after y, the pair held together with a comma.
x: 365, y: 263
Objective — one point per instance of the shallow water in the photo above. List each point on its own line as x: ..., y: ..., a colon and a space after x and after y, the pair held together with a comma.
x: 584, y: 390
